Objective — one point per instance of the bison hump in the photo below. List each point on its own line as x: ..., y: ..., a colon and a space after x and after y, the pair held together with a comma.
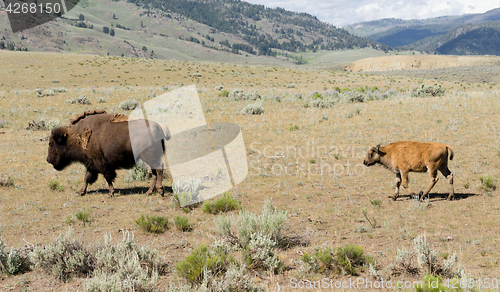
x: 85, y: 114
x: 119, y: 118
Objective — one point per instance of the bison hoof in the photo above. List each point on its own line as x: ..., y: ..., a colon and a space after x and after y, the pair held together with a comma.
x: 161, y: 193
x: 148, y: 193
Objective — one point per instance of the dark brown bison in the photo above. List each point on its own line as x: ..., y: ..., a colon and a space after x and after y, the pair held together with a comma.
x: 405, y: 156
x: 103, y: 143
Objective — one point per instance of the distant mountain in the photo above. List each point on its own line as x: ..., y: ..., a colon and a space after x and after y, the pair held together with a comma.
x: 482, y: 41
x: 217, y: 30
x: 444, y: 35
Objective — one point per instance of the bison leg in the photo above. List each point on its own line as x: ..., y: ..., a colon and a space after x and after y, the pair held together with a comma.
x: 159, y: 180
x: 153, y: 182
x: 110, y: 177
x: 404, y: 182
x: 90, y: 178
x: 398, y: 184
x: 433, y: 180
x: 449, y: 175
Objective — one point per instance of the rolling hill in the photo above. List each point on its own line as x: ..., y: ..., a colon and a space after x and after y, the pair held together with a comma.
x: 220, y: 31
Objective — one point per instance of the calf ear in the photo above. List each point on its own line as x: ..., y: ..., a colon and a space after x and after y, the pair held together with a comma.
x: 377, y: 150
x: 60, y: 135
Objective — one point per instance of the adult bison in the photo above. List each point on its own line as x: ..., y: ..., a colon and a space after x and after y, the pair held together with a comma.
x: 103, y: 143
x: 405, y: 156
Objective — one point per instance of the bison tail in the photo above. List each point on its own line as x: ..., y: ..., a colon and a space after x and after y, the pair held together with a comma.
x: 163, y: 145
x: 451, y: 152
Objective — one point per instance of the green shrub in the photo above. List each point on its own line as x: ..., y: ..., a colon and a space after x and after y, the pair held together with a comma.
x: 488, y: 183
x: 79, y: 100
x: 321, y: 261
x: 253, y: 109
x: 224, y: 93
x: 186, y: 191
x: 14, y: 261
x: 182, y: 223
x: 376, y: 203
x: 4, y: 123
x: 423, y: 90
x: 200, y: 259
x: 322, y: 103
x: 120, y: 267
x: 316, y: 95
x: 37, y: 125
x: 53, y: 124
x: 259, y: 255
x: 129, y: 105
x: 237, y: 94
x: 64, y: 258
x: 272, y: 222
x: 225, y: 203
x: 54, y: 185
x: 351, y: 257
x: 125, y: 267
x: 432, y: 283
x: 6, y: 182
x: 83, y: 215
x: 139, y: 172
x: 70, y: 220
x: 235, y: 279
x: 59, y: 89
x: 153, y: 224
x: 293, y: 127
x: 347, y: 259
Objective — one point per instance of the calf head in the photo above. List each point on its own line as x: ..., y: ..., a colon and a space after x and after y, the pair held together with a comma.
x: 373, y: 156
x: 58, y: 150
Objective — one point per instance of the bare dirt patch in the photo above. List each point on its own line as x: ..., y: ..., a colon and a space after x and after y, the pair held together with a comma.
x: 395, y: 63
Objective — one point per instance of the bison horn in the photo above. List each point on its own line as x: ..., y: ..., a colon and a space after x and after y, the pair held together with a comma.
x: 377, y: 149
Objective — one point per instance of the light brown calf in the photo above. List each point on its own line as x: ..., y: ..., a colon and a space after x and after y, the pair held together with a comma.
x: 405, y: 156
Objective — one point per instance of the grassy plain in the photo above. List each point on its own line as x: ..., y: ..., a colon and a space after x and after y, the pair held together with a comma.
x: 287, y: 146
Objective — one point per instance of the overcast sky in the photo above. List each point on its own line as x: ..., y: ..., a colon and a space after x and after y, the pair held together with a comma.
x: 344, y: 12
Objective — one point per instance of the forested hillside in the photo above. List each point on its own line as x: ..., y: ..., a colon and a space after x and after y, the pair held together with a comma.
x: 263, y: 28
x: 481, y: 41
x: 224, y: 30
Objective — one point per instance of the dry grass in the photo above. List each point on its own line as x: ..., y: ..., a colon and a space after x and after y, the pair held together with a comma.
x: 283, y: 164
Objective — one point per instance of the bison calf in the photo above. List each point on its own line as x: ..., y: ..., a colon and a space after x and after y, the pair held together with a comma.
x: 103, y: 143
x: 405, y: 156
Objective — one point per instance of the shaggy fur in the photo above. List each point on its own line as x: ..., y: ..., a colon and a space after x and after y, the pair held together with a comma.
x: 103, y: 147
x: 406, y: 156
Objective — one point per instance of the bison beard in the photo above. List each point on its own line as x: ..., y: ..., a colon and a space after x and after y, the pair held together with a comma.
x: 102, y: 143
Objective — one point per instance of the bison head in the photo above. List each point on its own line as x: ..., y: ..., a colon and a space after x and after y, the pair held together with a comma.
x: 58, y: 149
x: 373, y: 156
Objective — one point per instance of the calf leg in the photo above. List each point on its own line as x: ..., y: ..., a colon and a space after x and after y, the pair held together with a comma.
x: 404, y: 182
x: 449, y: 175
x: 90, y: 178
x: 398, y: 184
x: 433, y: 180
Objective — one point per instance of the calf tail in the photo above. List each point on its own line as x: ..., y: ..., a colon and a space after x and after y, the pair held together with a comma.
x: 451, y: 152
